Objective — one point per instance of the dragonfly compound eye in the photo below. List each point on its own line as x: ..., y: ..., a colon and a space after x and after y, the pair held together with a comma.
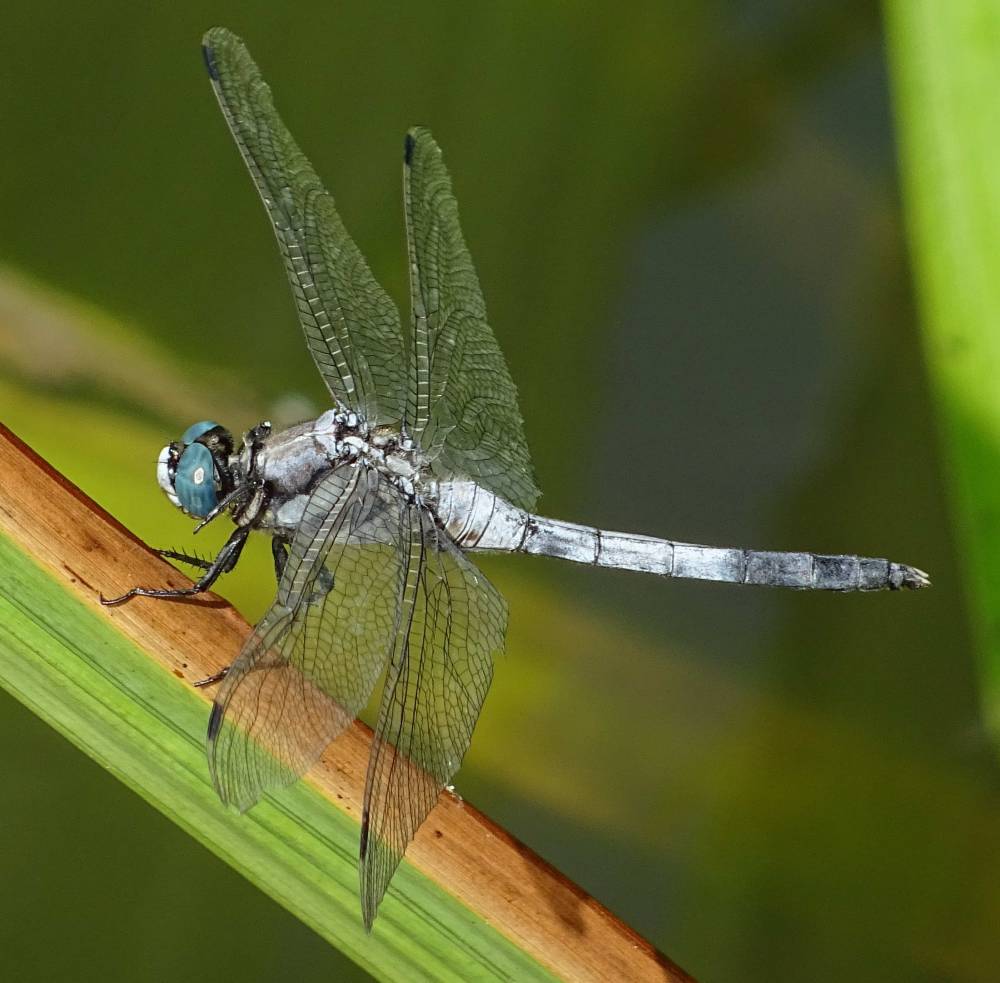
x: 197, y: 430
x: 188, y: 470
x: 194, y: 481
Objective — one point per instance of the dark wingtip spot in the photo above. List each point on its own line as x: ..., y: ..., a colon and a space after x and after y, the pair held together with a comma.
x: 215, y: 721
x: 209, y: 56
x: 409, y: 144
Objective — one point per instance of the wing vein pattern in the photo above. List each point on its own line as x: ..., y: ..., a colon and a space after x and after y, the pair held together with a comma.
x: 451, y: 628
x: 462, y: 401
x: 350, y: 323
x: 310, y: 665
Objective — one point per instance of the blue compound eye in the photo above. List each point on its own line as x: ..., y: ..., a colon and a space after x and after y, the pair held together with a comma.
x: 196, y: 430
x: 194, y: 482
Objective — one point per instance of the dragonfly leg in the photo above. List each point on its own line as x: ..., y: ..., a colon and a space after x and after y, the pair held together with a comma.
x: 216, y: 677
x: 270, y: 661
x: 223, y: 563
x: 194, y: 561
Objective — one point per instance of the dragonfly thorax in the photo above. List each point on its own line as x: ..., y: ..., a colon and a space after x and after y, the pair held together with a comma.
x: 286, y: 465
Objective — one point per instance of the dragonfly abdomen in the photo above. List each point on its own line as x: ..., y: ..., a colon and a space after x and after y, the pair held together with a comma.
x: 479, y: 520
x: 646, y: 554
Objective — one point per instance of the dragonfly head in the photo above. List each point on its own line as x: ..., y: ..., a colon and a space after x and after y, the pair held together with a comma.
x: 194, y: 470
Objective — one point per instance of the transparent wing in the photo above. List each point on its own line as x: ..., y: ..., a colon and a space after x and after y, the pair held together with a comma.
x: 463, y: 404
x: 350, y: 323
x: 312, y: 662
x: 452, y: 627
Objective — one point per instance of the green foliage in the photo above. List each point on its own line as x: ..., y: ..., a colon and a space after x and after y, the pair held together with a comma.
x: 947, y: 74
x: 73, y: 668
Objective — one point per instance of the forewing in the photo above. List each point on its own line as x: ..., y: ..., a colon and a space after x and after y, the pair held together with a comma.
x: 350, y: 323
x: 312, y: 662
x: 452, y: 627
x: 463, y: 403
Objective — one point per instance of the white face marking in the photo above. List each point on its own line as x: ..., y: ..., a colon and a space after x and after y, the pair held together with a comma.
x: 163, y: 476
x: 162, y: 473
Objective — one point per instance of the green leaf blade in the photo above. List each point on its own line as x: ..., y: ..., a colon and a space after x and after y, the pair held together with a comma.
x: 946, y: 63
x: 76, y: 671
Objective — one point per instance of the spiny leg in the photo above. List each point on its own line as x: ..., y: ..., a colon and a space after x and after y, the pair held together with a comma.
x: 194, y: 561
x: 223, y: 563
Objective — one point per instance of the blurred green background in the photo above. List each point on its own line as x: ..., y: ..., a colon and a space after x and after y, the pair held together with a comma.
x: 686, y: 219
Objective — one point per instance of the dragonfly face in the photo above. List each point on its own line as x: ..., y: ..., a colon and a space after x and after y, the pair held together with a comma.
x: 195, y: 470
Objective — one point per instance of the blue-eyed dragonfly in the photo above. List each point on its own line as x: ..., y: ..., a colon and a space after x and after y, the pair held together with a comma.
x: 373, y: 506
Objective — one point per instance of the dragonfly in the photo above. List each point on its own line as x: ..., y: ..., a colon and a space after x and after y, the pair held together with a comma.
x: 374, y: 507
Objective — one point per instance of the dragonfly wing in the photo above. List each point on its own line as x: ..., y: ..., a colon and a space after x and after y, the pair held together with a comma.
x: 311, y: 664
x: 463, y: 403
x: 350, y: 323
x: 452, y: 626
